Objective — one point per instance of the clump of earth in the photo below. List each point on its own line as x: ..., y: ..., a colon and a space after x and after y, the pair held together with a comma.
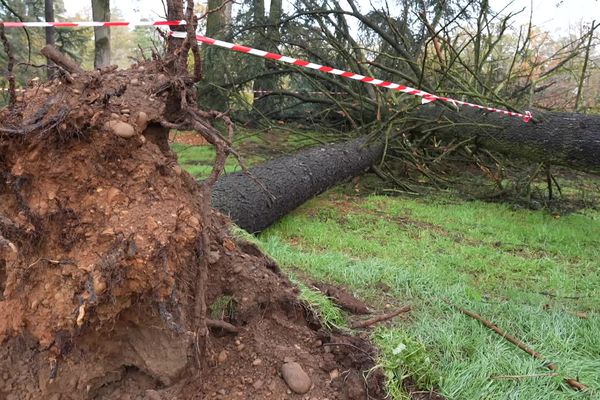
x: 101, y: 239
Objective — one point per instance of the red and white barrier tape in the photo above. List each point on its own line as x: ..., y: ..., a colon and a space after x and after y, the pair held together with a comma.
x: 425, y: 96
x: 89, y: 24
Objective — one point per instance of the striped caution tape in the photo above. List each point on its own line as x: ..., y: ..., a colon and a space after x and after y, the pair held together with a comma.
x: 89, y: 24
x: 425, y: 96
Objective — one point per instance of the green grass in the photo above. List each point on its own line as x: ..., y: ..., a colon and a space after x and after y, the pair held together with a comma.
x: 198, y: 160
x: 253, y: 147
x: 528, y: 271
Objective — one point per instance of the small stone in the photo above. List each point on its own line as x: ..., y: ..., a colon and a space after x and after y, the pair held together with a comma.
x: 153, y: 395
x: 237, y: 269
x: 222, y: 392
x: 121, y: 129
x: 334, y: 374
x: 240, y: 347
x: 213, y: 257
x: 46, y: 90
x: 222, y: 356
x: 135, y: 81
x: 80, y: 315
x: 258, y: 384
x: 142, y: 120
x: 295, y: 377
x: 76, y: 91
x: 125, y: 111
x: 99, y: 283
x: 257, y: 362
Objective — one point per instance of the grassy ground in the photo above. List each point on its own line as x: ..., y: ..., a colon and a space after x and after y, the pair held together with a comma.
x: 533, y: 273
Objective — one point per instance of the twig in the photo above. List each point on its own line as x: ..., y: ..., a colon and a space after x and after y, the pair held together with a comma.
x: 516, y: 377
x: 380, y: 318
x: 550, y: 365
x: 12, y: 87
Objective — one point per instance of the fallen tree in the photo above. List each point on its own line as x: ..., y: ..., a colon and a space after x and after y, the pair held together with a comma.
x: 269, y: 191
x: 555, y: 138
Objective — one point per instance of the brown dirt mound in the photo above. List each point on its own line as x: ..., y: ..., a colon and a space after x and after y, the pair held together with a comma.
x: 101, y: 239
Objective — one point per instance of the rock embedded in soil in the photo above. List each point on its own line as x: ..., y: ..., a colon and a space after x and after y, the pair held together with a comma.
x: 295, y: 377
x: 223, y: 356
x: 121, y: 129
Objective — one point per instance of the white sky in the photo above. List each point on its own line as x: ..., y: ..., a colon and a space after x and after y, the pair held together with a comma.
x: 556, y: 16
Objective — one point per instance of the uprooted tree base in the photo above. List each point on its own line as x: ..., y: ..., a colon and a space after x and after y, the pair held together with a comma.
x: 103, y: 240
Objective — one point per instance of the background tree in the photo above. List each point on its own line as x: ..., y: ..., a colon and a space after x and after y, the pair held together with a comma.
x: 101, y: 12
x: 218, y: 25
x: 268, y: 38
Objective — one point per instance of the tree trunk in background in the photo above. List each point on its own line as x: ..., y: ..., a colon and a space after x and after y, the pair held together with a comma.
x: 101, y: 12
x: 218, y: 26
x: 268, y: 39
x: 49, y: 17
x: 291, y: 180
x: 567, y: 139
x: 174, y: 12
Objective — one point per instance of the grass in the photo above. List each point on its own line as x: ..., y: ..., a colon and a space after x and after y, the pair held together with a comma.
x: 254, y: 148
x: 533, y: 273
x: 528, y: 271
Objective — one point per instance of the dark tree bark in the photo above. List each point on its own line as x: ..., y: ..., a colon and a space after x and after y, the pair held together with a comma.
x: 101, y: 12
x: 567, y: 139
x: 268, y: 37
x: 49, y: 16
x: 174, y: 12
x: 218, y: 26
x: 290, y: 181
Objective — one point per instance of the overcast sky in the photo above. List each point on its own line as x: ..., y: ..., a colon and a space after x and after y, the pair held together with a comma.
x: 552, y: 15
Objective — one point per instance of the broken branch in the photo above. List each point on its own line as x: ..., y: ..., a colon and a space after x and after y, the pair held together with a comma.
x: 380, y: 318
x: 550, y: 365
x: 62, y: 60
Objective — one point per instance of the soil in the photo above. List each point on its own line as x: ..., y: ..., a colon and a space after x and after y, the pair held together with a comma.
x: 102, y: 236
x: 187, y: 138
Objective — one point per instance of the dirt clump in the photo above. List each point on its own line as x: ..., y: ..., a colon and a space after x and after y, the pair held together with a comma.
x: 101, y: 240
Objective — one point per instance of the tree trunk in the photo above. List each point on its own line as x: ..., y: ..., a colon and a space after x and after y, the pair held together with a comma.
x: 290, y: 181
x: 174, y: 12
x: 267, y: 39
x: 101, y: 12
x: 567, y: 139
x: 218, y: 26
x: 49, y: 16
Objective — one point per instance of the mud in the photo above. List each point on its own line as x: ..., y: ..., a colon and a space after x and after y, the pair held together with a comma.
x: 101, y: 239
